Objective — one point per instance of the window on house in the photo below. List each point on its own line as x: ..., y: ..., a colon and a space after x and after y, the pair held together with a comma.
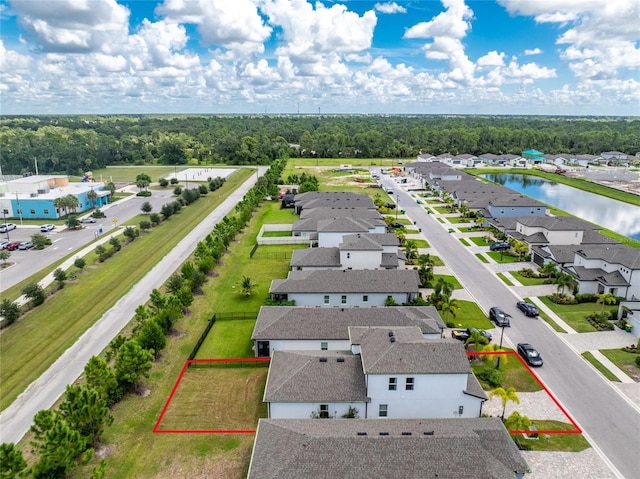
x: 409, y: 384
x: 382, y: 410
x: 324, y: 345
x: 460, y: 410
x: 33, y: 212
x: 324, y: 411
x: 46, y: 212
x: 343, y: 300
x: 348, y: 255
x: 393, y: 384
x: 365, y: 298
x: 19, y: 212
x: 326, y: 299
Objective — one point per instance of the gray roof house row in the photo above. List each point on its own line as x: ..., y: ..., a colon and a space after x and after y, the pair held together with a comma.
x: 385, y: 449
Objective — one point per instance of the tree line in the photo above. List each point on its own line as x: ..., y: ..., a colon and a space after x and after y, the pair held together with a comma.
x: 76, y: 144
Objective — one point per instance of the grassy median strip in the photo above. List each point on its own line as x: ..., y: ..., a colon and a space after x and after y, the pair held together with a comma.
x: 31, y: 345
x: 600, y: 367
x: 504, y: 279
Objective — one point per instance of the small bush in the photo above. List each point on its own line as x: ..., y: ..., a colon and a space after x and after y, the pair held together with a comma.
x: 586, y: 298
x: 79, y: 263
x: 144, y: 193
x: 638, y: 361
x: 562, y: 299
x: 528, y: 273
x: 491, y: 376
x: 599, y: 321
x: 177, y: 191
x: 98, y: 214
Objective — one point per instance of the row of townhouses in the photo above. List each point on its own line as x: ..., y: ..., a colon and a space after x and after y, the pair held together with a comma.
x: 356, y: 388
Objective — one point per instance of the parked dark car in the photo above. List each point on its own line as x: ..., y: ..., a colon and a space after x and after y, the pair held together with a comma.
x: 498, y: 316
x: 501, y: 246
x: 464, y: 334
x: 527, y: 308
x: 12, y: 246
x: 530, y: 355
x: 288, y: 201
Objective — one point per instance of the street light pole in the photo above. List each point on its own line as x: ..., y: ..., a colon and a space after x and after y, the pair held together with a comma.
x: 4, y: 217
x: 397, y: 207
x: 501, y: 335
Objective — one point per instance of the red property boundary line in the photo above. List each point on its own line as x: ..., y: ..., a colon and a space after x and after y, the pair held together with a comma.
x: 175, y: 387
x: 156, y: 429
x: 577, y: 430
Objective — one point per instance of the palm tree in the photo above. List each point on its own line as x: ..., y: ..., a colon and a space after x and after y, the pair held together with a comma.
x: 449, y: 307
x: 495, y: 348
x: 605, y: 298
x: 71, y: 202
x: 476, y: 338
x: 443, y: 288
x: 424, y: 260
x: 92, y: 195
x: 247, y: 286
x: 565, y: 280
x: 517, y: 422
x: 549, y: 269
x: 506, y: 396
x: 521, y: 248
x: 410, y: 250
x: 59, y: 204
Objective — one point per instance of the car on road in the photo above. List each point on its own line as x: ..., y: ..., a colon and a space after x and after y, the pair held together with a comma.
x: 530, y: 355
x: 388, y: 190
x: 4, y: 227
x: 527, y: 308
x: 25, y: 245
x: 498, y: 316
x: 88, y: 219
x: 3, y: 244
x: 46, y: 228
x: 501, y: 246
x: 13, y: 245
x: 464, y: 334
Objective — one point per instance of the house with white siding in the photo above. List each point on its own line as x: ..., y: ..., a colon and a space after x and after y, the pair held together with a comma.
x: 515, y: 205
x: 291, y: 328
x: 390, y: 372
x: 347, y: 288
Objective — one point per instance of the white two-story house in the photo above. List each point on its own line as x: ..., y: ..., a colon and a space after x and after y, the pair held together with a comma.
x: 390, y: 372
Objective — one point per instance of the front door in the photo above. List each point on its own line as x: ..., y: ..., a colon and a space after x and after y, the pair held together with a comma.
x: 263, y: 349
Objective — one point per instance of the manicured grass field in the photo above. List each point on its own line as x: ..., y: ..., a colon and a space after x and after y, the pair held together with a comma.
x: 220, y: 397
x: 514, y: 374
x: 479, y: 240
x: 421, y: 243
x: 505, y: 258
x: 228, y: 338
x: 442, y: 209
x: 624, y: 360
x: 452, y: 280
x: 528, y: 281
x: 573, y: 314
x: 31, y: 345
x: 441, y: 220
x: 459, y: 219
x: 469, y: 315
x: 600, y: 367
x: 464, y: 242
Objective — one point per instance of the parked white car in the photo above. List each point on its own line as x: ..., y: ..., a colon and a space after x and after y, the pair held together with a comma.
x: 7, y: 227
x: 46, y: 228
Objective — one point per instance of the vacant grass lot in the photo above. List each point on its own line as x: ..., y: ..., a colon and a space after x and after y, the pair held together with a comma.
x: 221, y: 397
x: 31, y: 345
x: 573, y: 314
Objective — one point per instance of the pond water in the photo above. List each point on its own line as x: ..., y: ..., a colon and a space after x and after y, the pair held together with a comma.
x: 614, y: 215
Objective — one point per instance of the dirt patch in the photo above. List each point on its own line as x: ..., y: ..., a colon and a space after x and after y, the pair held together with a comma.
x: 174, y: 333
x: 102, y: 451
x: 142, y: 392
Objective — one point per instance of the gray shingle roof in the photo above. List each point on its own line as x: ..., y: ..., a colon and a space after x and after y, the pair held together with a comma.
x: 515, y: 200
x: 410, y: 353
x: 596, y: 274
x: 360, y: 243
x: 320, y: 449
x: 613, y: 253
x: 337, y: 212
x: 302, y: 376
x: 348, y: 281
x: 318, y: 257
x: 344, y: 224
x: 287, y: 322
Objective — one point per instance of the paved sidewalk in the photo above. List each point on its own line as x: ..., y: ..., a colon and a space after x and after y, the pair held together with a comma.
x: 559, y: 321
x: 613, y: 369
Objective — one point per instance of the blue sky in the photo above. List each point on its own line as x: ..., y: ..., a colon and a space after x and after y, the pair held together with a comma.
x: 552, y: 57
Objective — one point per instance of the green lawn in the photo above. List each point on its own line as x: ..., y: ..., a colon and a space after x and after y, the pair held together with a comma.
x: 479, y: 240
x: 464, y: 242
x: 469, y: 315
x: 573, y: 314
x: 624, y: 360
x: 449, y: 279
x: 441, y: 220
x: 436, y: 260
x: 434, y: 202
x: 528, y: 281
x: 600, y: 367
x: 420, y: 243
x: 442, y: 209
x: 459, y: 219
x: 505, y: 258
x: 514, y: 374
x: 276, y: 234
x: 482, y: 258
x: 556, y: 327
x: 504, y: 279
x: 228, y: 338
x: 31, y: 345
x: 555, y: 442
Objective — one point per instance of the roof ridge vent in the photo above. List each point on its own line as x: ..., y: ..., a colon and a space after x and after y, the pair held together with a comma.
x: 323, y: 359
x: 384, y: 433
x: 406, y: 433
x: 428, y: 433
x: 361, y: 433
x: 340, y: 360
x: 392, y: 339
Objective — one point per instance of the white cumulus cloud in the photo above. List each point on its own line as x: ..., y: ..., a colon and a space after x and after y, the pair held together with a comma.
x: 389, y: 7
x: 533, y: 51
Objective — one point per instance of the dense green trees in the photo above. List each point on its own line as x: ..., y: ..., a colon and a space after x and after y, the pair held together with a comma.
x: 72, y: 145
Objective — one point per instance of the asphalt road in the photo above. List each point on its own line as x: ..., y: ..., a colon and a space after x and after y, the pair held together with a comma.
x: 607, y: 418
x: 16, y: 420
x: 66, y: 241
